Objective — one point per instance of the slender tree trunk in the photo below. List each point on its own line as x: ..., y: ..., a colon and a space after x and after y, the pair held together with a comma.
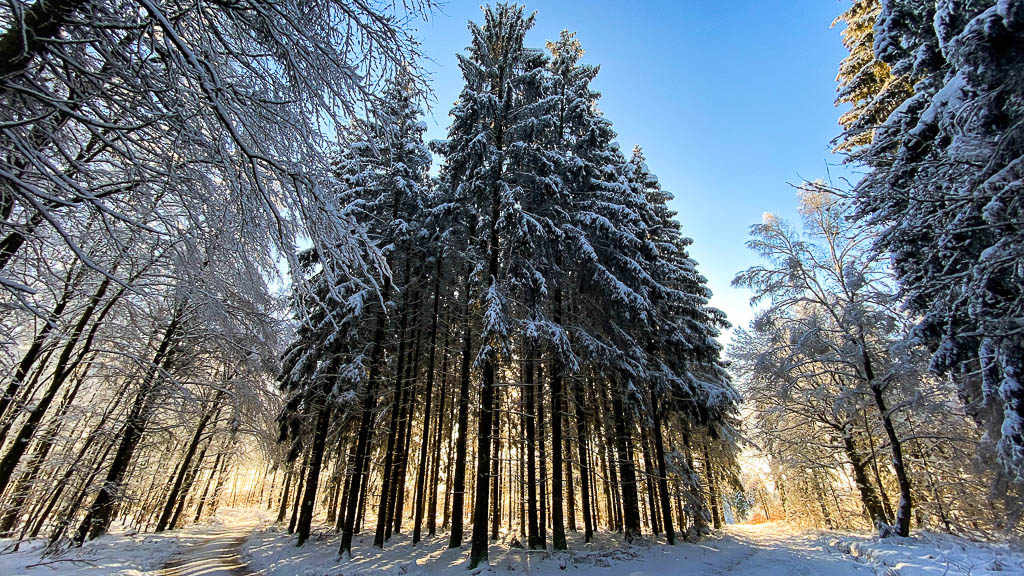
x: 496, y: 468
x: 570, y: 482
x: 62, y: 370
x: 362, y: 444
x: 35, y: 350
x: 659, y: 454
x: 323, y: 422
x: 585, y: 470
x: 902, y: 478
x: 189, y: 481
x: 424, y: 444
x: 283, y: 510
x: 649, y: 482
x: 393, y: 429
x: 627, y: 471
x: 459, y: 480
x: 533, y: 534
x: 97, y: 519
x: 206, y: 488
x: 299, y: 491
x: 867, y: 492
x: 709, y: 470
x: 435, y: 459
x: 543, y: 456
x: 179, y: 479
x: 557, y: 500
x: 397, y: 510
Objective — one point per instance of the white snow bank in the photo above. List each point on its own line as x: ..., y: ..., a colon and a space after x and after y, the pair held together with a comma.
x: 927, y: 554
x: 110, y: 555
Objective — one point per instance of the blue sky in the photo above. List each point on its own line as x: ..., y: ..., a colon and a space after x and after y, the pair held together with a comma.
x: 731, y: 101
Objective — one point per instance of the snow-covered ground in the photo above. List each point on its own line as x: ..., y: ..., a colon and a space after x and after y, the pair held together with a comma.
x: 926, y: 554
x: 120, y: 553
x: 768, y: 549
x: 220, y: 547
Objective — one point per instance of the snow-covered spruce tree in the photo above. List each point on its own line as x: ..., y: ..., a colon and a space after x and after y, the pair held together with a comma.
x: 491, y: 158
x: 336, y: 360
x: 833, y: 294
x: 945, y: 188
x: 866, y: 83
x: 686, y: 378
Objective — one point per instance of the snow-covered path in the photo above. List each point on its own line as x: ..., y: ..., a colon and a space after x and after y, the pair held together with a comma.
x: 766, y: 549
x: 216, y: 554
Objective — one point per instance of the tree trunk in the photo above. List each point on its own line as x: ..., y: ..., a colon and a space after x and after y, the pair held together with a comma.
x: 583, y: 450
x: 557, y: 499
x: 627, y: 472
x: 659, y: 455
x: 867, y: 492
x: 179, y: 479
x: 424, y: 444
x: 299, y: 490
x: 496, y: 468
x: 459, y: 480
x: 97, y: 519
x: 903, y: 479
x: 435, y: 460
x: 323, y: 422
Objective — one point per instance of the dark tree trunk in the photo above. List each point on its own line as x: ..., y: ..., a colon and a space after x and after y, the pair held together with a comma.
x: 179, y: 478
x: 316, y: 458
x: 397, y: 510
x: 543, y: 456
x: 189, y: 481
x: 459, y: 480
x: 388, y: 473
x: 35, y: 350
x: 206, y: 488
x: 496, y: 468
x: 478, y: 552
x: 299, y: 490
x: 659, y: 454
x: 435, y: 459
x: 283, y: 509
x: 583, y: 450
x: 709, y: 471
x: 424, y: 444
x: 649, y: 481
x: 557, y: 499
x: 62, y: 370
x: 532, y: 529
x: 627, y: 471
x: 360, y: 460
x: 899, y: 466
x: 867, y: 491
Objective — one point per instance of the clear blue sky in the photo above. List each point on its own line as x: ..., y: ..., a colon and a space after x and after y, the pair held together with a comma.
x: 731, y: 101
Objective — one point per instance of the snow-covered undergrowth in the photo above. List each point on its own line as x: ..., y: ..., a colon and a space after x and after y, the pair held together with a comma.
x: 742, y: 550
x: 119, y: 553
x: 927, y: 554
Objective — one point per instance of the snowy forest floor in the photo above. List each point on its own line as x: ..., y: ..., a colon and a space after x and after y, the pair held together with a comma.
x: 771, y: 549
x: 221, y: 547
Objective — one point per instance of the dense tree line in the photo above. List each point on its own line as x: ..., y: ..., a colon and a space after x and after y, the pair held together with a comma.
x: 541, y: 300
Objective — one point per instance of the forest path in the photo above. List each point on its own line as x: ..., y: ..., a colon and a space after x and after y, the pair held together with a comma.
x: 776, y: 550
x: 218, y: 553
